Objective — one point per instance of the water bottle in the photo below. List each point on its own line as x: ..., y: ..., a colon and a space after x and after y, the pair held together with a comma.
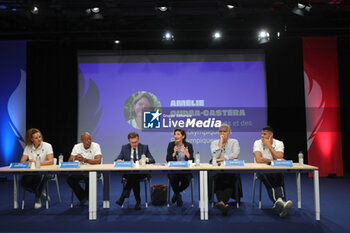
x: 60, y: 158
x: 37, y: 161
x: 143, y: 160
x: 301, y: 158
x: 198, y: 159
x: 213, y: 161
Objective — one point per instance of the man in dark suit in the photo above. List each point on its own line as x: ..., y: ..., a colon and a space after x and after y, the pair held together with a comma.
x: 133, y: 152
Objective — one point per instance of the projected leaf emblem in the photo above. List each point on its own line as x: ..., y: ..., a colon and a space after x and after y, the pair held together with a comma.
x: 17, y: 109
x: 316, y: 104
x: 89, y: 103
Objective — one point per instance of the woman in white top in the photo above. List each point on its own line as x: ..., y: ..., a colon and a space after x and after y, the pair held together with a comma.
x: 35, y: 147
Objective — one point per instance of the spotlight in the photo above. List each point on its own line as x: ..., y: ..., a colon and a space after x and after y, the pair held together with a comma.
x: 231, y: 5
x: 35, y: 10
x: 116, y: 44
x: 168, y: 36
x: 95, y: 10
x: 263, y: 36
x: 301, y: 8
x: 162, y: 6
x: 216, y: 35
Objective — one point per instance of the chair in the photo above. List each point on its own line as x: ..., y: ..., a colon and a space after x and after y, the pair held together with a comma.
x: 50, y: 178
x: 260, y: 184
x: 54, y: 178
x: 147, y: 178
x: 238, y: 200
x: 192, y: 182
x: 99, y: 177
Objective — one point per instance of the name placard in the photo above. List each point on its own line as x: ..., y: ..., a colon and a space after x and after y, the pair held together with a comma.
x: 234, y: 163
x: 123, y: 164
x: 69, y: 165
x: 282, y: 163
x: 178, y: 164
x: 19, y: 165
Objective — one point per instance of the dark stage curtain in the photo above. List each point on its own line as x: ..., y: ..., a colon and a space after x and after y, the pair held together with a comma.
x: 285, y: 95
x: 52, y: 91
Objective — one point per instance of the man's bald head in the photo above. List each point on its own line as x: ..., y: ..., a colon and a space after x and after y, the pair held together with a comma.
x: 86, y: 139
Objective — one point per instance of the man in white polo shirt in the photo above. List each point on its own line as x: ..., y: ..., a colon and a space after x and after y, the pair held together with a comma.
x: 85, y: 152
x: 265, y: 150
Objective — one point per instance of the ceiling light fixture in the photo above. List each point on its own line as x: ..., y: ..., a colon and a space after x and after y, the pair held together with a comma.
x: 168, y: 36
x: 216, y: 35
x: 95, y: 10
x: 35, y: 10
x: 263, y: 36
x: 162, y: 6
x: 231, y: 5
x: 302, y: 7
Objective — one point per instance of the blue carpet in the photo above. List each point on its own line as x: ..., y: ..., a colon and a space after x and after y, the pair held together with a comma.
x: 248, y: 218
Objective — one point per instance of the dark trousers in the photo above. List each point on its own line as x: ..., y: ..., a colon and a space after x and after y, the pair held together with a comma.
x: 225, y: 186
x: 132, y: 182
x: 33, y: 183
x: 274, y: 183
x: 74, y: 182
x: 179, y: 182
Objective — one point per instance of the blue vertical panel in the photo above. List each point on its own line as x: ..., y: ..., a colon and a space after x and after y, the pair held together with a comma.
x: 12, y: 100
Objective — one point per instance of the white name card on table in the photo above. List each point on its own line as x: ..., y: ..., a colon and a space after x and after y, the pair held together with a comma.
x: 69, y: 165
x: 282, y: 163
x: 123, y: 164
x: 234, y: 163
x: 19, y: 165
x: 178, y: 164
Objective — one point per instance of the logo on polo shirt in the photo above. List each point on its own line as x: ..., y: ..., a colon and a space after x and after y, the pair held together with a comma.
x: 151, y: 119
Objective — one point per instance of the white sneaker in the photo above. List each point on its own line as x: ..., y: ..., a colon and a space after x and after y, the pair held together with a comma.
x: 278, y: 206
x: 37, y: 204
x: 287, y: 206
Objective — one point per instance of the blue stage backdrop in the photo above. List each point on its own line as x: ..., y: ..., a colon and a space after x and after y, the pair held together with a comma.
x: 116, y: 90
x: 12, y: 100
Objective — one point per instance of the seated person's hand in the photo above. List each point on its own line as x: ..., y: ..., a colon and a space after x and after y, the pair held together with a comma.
x: 80, y: 158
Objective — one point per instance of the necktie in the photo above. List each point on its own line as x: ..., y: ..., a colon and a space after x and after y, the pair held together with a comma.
x: 134, y: 155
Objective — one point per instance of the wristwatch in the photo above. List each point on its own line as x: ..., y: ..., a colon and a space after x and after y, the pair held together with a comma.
x: 86, y: 160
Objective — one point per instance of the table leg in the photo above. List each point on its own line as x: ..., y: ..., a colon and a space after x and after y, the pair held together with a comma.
x: 203, y: 202
x: 92, y: 195
x: 201, y: 195
x: 298, y: 189
x: 106, y: 189
x: 15, y: 191
x: 205, y: 193
x: 317, y: 195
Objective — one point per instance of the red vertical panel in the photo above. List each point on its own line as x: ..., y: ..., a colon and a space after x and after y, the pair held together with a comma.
x: 322, y: 104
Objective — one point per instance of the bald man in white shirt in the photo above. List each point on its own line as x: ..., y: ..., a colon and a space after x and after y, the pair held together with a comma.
x: 86, y: 152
